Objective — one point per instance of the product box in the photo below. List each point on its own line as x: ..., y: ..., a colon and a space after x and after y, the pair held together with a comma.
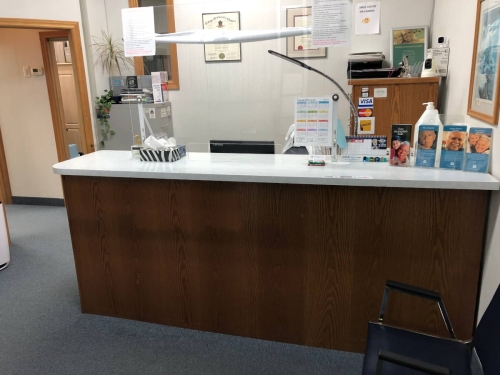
x: 159, y: 77
x: 160, y: 92
x: 441, y: 57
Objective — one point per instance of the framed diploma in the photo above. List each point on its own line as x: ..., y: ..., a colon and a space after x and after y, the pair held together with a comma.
x: 222, y: 21
x: 301, y: 46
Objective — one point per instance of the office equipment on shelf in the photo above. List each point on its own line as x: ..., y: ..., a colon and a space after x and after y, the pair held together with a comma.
x: 117, y: 83
x: 367, y: 65
x: 241, y: 147
x: 365, y: 148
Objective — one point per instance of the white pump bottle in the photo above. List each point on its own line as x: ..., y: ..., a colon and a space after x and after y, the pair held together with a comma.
x: 430, y: 117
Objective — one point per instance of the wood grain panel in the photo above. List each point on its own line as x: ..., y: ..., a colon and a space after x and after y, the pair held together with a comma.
x: 403, y: 104
x: 291, y: 263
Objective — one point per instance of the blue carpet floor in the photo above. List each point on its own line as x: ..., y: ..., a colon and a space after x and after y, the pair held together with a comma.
x: 42, y: 329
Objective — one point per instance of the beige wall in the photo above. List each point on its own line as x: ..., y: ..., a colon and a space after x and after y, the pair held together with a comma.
x: 25, y: 118
x: 456, y: 20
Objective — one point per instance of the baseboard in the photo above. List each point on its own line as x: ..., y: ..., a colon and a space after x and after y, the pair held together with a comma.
x: 35, y: 201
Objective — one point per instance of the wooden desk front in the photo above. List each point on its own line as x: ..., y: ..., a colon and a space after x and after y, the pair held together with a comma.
x: 300, y: 264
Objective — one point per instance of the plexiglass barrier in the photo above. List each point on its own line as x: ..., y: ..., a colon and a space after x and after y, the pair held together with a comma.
x: 233, y: 92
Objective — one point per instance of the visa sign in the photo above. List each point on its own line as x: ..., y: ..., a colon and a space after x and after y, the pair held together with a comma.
x: 365, y: 103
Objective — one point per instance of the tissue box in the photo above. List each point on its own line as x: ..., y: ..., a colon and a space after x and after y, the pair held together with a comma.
x: 148, y: 154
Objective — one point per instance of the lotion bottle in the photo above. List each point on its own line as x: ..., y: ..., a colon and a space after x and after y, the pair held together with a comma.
x: 430, y: 117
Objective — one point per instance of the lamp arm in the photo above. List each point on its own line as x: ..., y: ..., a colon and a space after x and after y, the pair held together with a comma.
x: 351, y: 104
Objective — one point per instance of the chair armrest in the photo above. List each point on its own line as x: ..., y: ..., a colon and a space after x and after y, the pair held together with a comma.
x: 411, y: 363
x: 417, y: 292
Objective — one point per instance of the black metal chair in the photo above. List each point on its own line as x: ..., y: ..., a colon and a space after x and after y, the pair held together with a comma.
x: 395, y: 351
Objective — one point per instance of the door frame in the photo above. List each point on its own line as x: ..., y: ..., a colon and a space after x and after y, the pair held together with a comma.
x: 72, y: 31
x: 54, y: 89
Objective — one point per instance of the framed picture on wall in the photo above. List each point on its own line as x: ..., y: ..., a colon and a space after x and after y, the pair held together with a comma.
x: 301, y: 46
x: 222, y: 21
x: 484, y: 81
x: 411, y: 42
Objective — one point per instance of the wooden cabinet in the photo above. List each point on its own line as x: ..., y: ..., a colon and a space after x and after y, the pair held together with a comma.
x: 403, y: 103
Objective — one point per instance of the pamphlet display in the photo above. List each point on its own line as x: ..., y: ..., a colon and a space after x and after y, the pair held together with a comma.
x: 427, y: 145
x: 313, y: 121
x: 365, y: 148
x: 400, y: 145
x: 453, y: 147
x: 477, y: 158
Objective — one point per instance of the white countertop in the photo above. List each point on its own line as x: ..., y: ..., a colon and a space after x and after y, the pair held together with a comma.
x: 282, y: 169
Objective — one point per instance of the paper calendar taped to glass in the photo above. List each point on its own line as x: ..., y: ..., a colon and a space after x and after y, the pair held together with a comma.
x: 313, y: 121
x: 367, y: 148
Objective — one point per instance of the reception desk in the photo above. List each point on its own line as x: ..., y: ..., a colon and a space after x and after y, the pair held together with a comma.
x: 264, y: 246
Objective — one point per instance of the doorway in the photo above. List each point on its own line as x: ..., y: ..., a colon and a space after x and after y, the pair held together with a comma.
x: 71, y: 125
x: 61, y: 82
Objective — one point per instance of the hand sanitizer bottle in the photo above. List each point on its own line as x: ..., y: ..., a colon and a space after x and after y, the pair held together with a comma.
x: 428, y: 137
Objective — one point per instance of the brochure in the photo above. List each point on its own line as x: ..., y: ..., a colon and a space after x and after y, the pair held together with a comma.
x: 453, y: 147
x: 427, y: 146
x: 477, y: 157
x: 400, y: 145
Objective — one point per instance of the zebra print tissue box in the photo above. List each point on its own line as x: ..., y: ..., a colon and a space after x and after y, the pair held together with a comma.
x: 166, y: 156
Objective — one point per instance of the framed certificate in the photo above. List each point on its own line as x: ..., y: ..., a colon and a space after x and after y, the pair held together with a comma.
x: 301, y: 46
x: 411, y: 42
x: 222, y: 21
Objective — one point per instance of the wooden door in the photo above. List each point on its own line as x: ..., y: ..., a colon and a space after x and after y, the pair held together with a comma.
x: 59, y: 50
x: 70, y: 106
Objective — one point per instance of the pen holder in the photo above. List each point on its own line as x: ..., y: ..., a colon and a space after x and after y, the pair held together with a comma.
x: 166, y: 156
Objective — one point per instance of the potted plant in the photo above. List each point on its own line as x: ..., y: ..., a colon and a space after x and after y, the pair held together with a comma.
x: 103, y: 106
x: 110, y: 54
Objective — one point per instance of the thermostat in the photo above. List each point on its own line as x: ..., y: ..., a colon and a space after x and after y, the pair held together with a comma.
x: 37, y: 71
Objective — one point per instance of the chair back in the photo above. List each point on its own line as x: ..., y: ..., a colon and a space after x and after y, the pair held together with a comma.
x: 487, y: 337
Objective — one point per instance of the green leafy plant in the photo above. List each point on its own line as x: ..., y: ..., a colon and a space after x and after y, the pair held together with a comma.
x: 110, y: 54
x: 103, y: 106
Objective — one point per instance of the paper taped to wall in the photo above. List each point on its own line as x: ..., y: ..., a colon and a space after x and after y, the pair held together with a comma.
x: 139, y: 31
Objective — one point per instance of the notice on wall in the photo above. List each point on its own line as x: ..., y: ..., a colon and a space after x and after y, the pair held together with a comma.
x: 331, y: 23
x: 367, y: 18
x: 139, y: 31
x: 313, y: 121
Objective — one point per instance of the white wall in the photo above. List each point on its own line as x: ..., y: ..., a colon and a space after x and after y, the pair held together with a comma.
x: 25, y: 118
x: 102, y: 15
x: 252, y: 99
x: 457, y: 21
x: 61, y: 10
